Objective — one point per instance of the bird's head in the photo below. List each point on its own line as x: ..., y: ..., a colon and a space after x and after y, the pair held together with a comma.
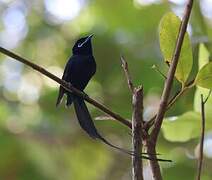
x: 83, y: 46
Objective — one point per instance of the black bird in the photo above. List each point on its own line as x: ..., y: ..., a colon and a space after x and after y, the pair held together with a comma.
x: 78, y: 71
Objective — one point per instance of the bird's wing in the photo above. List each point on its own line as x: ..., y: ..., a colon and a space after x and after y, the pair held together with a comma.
x: 61, y: 89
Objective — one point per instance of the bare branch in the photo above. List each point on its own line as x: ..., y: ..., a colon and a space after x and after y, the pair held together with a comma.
x: 137, y: 119
x: 67, y: 86
x: 124, y: 65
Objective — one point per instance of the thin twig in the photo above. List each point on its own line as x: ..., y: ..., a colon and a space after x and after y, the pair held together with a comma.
x: 155, y: 67
x: 124, y: 65
x: 172, y: 101
x: 167, y: 88
x: 67, y: 86
x: 209, y: 94
x: 179, y: 94
x: 200, y: 159
x: 137, y: 119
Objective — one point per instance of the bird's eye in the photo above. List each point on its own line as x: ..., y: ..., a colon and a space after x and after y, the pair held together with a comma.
x: 80, y: 45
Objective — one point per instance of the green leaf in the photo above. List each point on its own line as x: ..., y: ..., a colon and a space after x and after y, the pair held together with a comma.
x: 204, y: 76
x: 203, y: 56
x: 182, y: 128
x: 168, y: 29
x: 208, y: 105
x: 203, y: 59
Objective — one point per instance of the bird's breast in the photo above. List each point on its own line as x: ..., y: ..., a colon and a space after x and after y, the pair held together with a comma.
x: 83, y: 68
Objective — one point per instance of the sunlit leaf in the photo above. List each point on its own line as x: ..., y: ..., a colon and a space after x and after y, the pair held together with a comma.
x: 203, y: 57
x: 204, y: 76
x: 182, y: 128
x: 208, y: 105
x: 203, y: 60
x: 168, y: 29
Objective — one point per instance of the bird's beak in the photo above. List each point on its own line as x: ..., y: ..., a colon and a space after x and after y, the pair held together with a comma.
x: 89, y: 37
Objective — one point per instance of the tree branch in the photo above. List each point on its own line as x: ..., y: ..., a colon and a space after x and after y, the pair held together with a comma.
x: 151, y: 151
x: 67, y: 86
x: 171, y: 72
x: 137, y: 119
x: 166, y: 92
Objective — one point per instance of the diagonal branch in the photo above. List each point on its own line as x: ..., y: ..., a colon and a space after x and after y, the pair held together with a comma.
x: 151, y: 145
x: 171, y: 72
x: 67, y: 86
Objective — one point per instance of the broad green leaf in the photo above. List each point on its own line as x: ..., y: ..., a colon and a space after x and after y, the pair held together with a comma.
x: 203, y: 56
x: 203, y: 59
x: 168, y: 29
x: 204, y: 76
x: 208, y: 105
x: 182, y: 128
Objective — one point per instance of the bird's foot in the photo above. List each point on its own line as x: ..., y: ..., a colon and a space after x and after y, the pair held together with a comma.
x: 85, y: 96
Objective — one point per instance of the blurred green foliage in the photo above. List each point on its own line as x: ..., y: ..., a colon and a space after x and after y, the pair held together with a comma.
x: 38, y: 141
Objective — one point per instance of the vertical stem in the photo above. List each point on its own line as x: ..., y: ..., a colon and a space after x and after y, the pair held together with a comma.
x: 137, y: 117
x: 200, y: 159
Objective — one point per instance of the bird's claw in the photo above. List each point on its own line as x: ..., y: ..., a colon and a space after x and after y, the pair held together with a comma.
x: 85, y: 96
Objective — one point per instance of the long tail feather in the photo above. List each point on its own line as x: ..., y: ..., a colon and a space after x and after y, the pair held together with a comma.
x: 88, y: 126
x: 84, y: 117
